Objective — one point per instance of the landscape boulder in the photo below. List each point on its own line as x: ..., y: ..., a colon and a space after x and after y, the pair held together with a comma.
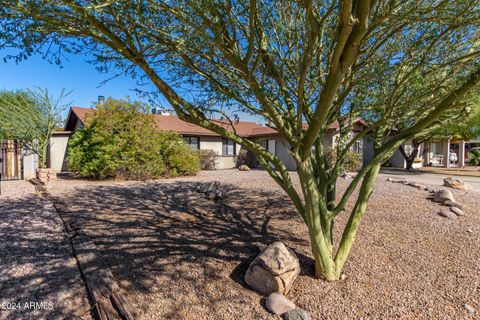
x: 456, y: 184
x: 273, y: 270
x: 296, y: 314
x: 457, y: 211
x: 443, y: 195
x: 244, y: 167
x: 447, y: 214
x: 450, y: 203
x: 279, y: 304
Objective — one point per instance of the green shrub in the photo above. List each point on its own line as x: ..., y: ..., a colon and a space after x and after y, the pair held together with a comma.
x: 120, y: 141
x: 245, y: 157
x: 207, y: 159
x: 474, y: 157
x: 351, y: 162
x: 178, y: 157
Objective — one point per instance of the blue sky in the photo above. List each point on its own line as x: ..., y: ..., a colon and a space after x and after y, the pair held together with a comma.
x: 75, y: 74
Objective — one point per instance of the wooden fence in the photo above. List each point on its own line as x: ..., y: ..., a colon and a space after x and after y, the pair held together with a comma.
x: 11, y: 164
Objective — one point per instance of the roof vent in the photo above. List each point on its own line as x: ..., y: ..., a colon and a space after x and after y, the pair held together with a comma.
x: 163, y: 112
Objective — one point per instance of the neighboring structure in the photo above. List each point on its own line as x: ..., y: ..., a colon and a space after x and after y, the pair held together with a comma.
x: 437, y: 152
x: 198, y: 138
x: 16, y: 162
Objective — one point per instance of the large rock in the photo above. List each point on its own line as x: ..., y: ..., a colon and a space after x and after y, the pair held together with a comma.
x: 456, y: 184
x: 296, y: 314
x: 443, y: 195
x: 447, y: 214
x: 244, y: 167
x: 279, y: 304
x: 450, y: 203
x: 457, y: 211
x: 273, y: 270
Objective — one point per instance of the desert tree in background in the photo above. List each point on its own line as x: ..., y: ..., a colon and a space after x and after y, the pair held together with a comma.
x: 30, y: 117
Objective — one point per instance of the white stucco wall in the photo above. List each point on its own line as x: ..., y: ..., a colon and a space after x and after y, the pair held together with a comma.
x: 30, y: 165
x: 57, y: 152
x: 215, y: 144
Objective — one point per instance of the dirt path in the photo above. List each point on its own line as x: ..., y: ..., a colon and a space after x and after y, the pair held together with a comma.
x: 39, y: 278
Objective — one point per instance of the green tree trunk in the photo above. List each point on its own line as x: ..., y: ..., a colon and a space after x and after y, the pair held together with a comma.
x: 350, y: 231
x: 320, y: 221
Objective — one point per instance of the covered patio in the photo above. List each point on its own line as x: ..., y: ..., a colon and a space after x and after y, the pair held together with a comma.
x: 448, y: 153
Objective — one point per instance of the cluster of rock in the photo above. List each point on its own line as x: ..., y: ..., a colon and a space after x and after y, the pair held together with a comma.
x: 46, y: 175
x: 452, y: 208
x: 211, y: 190
x: 408, y: 183
x: 273, y: 273
x: 244, y: 167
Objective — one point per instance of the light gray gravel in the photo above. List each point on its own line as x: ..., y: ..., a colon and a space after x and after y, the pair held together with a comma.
x: 39, y: 278
x: 16, y: 189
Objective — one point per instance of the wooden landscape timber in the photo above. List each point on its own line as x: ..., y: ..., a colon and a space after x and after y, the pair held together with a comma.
x: 106, y: 298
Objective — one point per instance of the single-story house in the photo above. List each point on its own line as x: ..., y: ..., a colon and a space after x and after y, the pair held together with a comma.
x: 198, y: 138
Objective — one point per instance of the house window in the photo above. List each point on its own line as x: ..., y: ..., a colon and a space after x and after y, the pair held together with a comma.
x: 358, y: 147
x: 193, y: 142
x: 228, y: 147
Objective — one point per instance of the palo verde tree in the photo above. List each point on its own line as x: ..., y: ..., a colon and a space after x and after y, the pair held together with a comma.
x: 31, y: 117
x: 301, y: 65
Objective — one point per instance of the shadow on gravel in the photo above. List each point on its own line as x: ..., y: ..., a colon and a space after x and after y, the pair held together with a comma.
x: 39, y: 278
x: 170, y: 237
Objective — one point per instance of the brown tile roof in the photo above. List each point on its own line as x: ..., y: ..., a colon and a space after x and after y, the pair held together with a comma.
x: 175, y: 124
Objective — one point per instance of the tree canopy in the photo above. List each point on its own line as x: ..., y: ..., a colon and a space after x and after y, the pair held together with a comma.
x: 301, y: 65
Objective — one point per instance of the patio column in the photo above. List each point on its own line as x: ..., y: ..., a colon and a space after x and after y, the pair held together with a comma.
x: 461, y: 153
x: 446, y: 153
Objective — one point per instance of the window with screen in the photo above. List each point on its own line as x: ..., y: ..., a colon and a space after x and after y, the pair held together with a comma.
x: 228, y: 147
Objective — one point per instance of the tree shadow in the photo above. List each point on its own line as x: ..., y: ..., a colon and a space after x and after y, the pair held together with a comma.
x: 39, y: 277
x: 167, y: 240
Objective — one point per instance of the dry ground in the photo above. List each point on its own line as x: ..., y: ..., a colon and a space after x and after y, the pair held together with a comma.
x: 179, y: 256
x: 39, y: 278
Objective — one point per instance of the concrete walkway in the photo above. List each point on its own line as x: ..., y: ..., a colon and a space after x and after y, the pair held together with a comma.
x: 428, y: 178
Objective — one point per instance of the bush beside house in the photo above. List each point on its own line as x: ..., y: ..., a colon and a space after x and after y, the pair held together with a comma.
x: 352, y: 161
x: 120, y: 141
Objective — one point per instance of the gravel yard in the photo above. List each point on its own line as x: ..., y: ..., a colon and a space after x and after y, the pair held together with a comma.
x: 179, y: 256
x: 39, y: 278
x: 15, y: 189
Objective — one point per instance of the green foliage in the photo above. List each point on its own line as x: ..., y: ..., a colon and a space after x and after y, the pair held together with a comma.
x: 120, y: 141
x: 351, y: 163
x: 207, y: 159
x: 178, y: 157
x: 474, y: 157
x: 31, y: 117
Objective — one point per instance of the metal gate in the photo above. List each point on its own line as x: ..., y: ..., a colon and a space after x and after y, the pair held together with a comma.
x: 11, y: 160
